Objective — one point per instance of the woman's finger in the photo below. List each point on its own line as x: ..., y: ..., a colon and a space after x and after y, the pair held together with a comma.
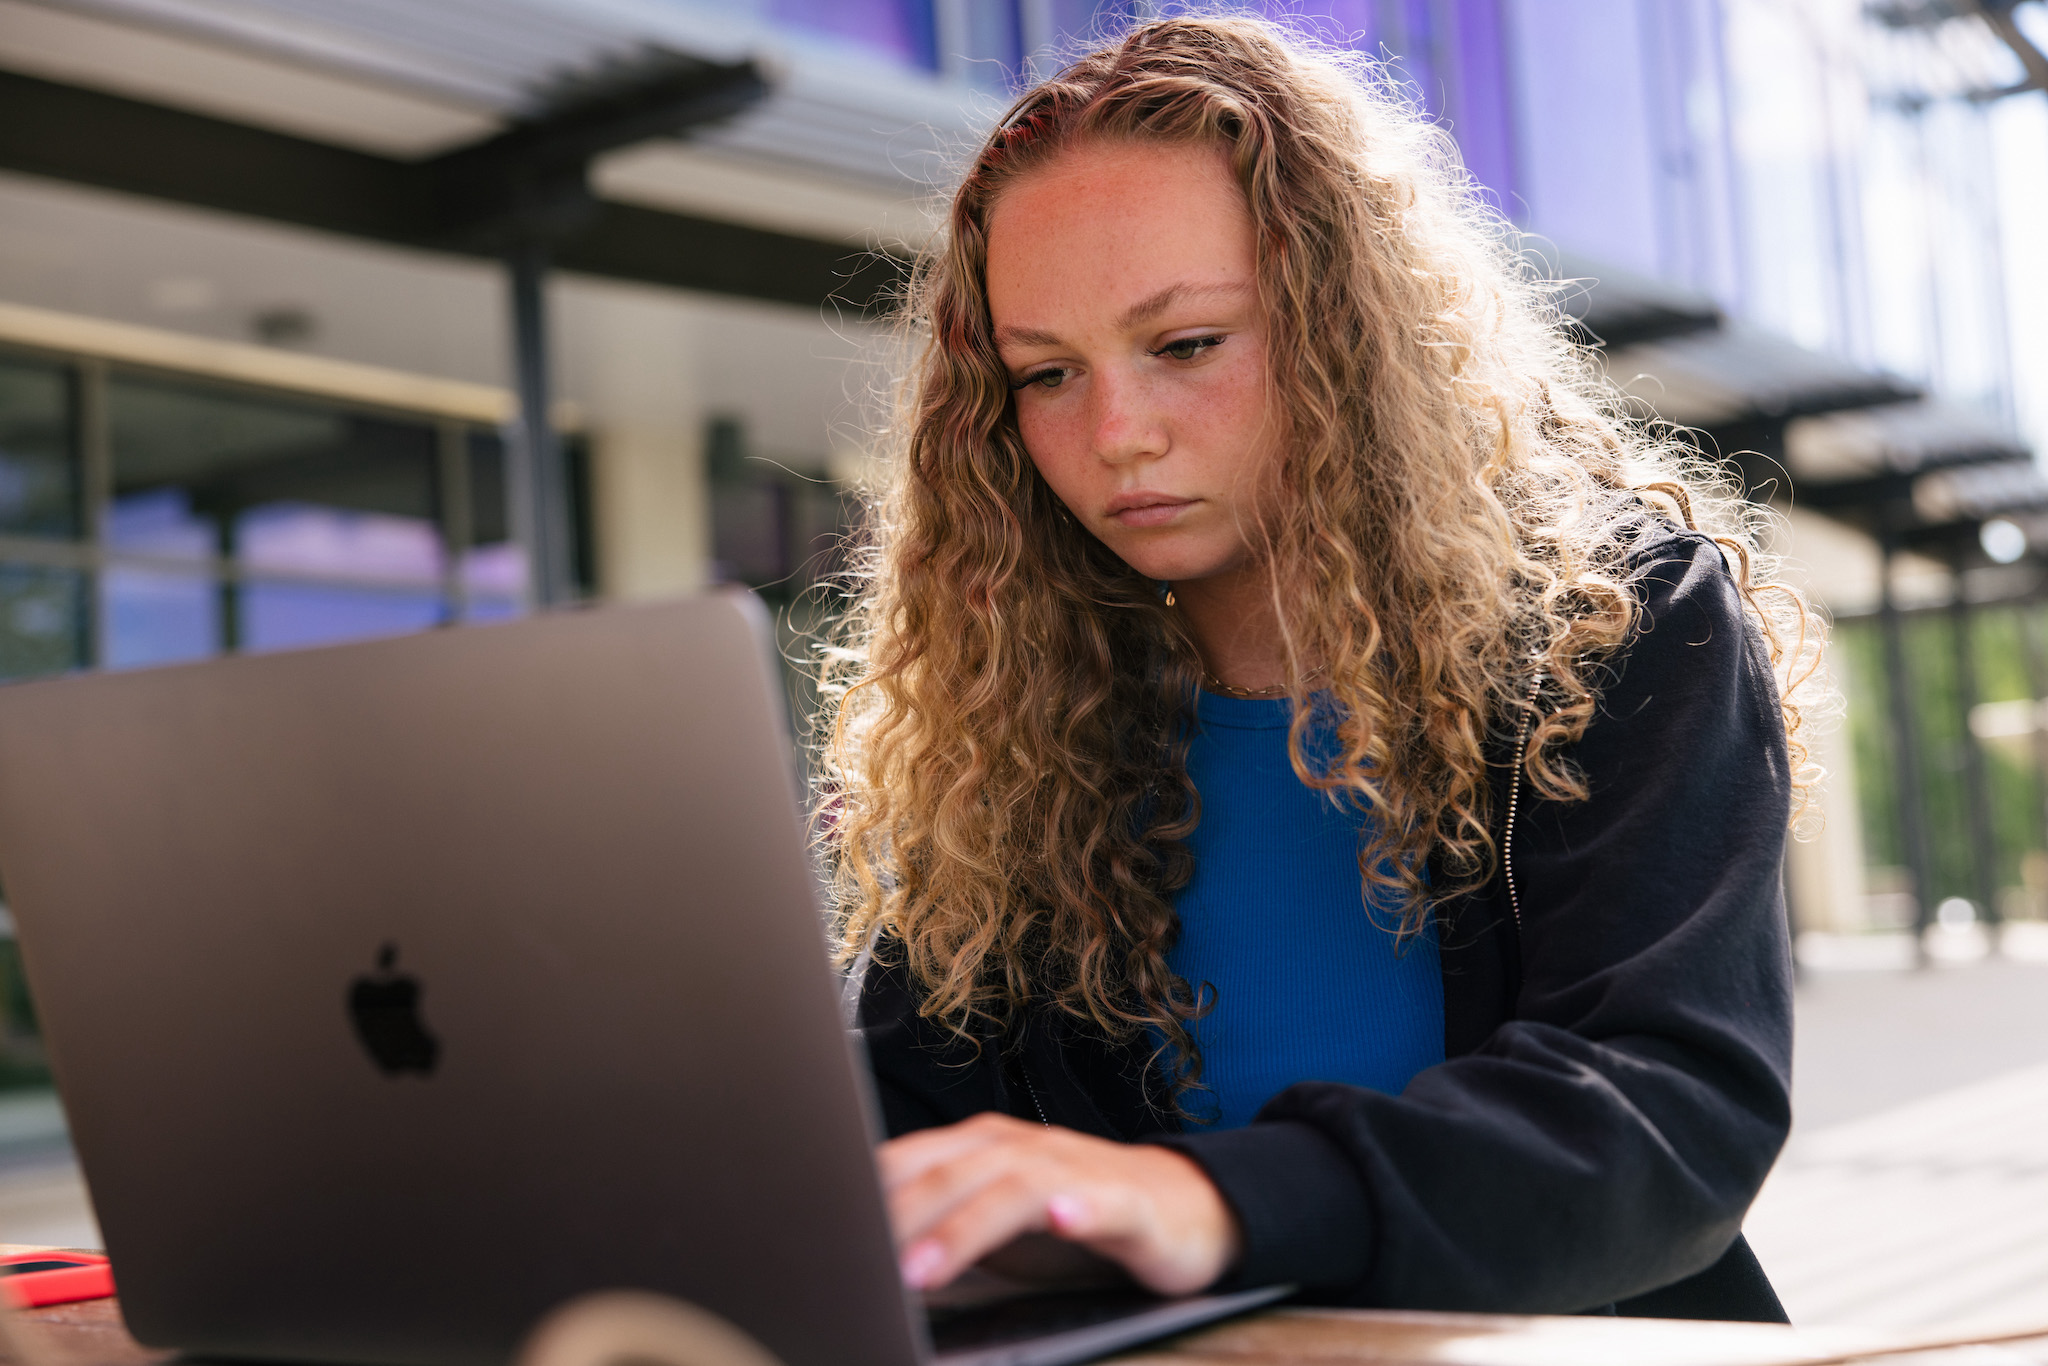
x: 959, y: 1194
x: 906, y: 1158
x: 1116, y: 1222
x: 918, y: 1204
x: 997, y: 1212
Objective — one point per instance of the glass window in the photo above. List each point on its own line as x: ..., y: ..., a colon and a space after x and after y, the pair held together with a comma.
x: 399, y: 559
x: 23, y: 1061
x: 493, y: 569
x: 43, y: 623
x: 38, y: 470
x: 773, y: 528
x: 237, y: 519
x: 158, y: 616
x: 322, y: 524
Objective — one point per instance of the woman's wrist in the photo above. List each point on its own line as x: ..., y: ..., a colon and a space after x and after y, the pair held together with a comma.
x: 1164, y: 1220
x: 1212, y: 1225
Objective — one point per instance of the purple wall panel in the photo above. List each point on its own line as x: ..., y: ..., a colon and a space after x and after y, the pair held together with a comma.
x: 1419, y: 54
x: 1110, y: 17
x: 1482, y: 117
x: 1351, y: 22
x: 995, y: 44
x: 1341, y: 23
x: 897, y: 28
x: 1583, y: 148
x: 1073, y: 20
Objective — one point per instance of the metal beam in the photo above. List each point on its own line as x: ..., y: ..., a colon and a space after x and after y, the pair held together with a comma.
x: 1893, y: 486
x: 1999, y: 15
x: 626, y: 242
x: 1627, y: 326
x: 87, y: 137
x: 92, y: 138
x: 1976, y: 782
x: 525, y: 168
x: 1996, y: 14
x: 539, y: 484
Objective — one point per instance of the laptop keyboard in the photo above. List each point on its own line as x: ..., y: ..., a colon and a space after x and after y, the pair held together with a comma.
x: 1032, y: 1316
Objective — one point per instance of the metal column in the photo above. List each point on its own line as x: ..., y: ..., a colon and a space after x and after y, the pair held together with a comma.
x: 527, y: 190
x: 1906, y: 750
x: 2037, y: 689
x: 538, y: 485
x: 96, y: 496
x: 1976, y: 782
x: 457, y: 517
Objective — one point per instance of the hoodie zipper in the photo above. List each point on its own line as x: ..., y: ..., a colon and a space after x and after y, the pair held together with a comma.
x: 1024, y: 1075
x: 1507, y: 843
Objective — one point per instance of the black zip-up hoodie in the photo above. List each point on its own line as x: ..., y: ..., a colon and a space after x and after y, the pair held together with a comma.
x: 1616, y: 1082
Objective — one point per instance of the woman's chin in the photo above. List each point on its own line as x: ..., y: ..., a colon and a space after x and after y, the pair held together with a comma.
x: 1167, y: 566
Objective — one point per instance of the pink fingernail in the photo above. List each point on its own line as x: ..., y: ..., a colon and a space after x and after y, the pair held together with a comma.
x: 1066, y: 1212
x: 920, y: 1262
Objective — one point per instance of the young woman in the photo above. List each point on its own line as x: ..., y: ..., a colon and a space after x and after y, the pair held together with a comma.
x: 1306, y: 801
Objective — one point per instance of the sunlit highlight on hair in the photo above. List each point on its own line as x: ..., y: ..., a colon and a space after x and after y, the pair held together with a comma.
x: 1006, y: 803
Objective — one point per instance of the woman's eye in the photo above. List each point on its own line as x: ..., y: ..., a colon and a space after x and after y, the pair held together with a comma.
x: 1187, y: 348
x: 1044, y: 379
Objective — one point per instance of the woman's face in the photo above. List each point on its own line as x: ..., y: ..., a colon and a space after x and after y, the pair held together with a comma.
x: 1123, y: 288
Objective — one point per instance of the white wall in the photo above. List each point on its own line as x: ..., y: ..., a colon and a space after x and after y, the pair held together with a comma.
x: 632, y: 359
x: 141, y: 261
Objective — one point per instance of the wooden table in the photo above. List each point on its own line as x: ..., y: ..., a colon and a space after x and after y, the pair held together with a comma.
x: 91, y: 1334
x: 1373, y: 1337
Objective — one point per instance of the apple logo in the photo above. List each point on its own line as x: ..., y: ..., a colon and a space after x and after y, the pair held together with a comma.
x: 385, y: 1006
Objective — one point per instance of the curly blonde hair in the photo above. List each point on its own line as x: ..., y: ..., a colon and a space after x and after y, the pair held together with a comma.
x: 1005, y: 802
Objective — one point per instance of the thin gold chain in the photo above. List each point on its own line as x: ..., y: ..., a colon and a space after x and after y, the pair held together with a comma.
x: 1214, y: 684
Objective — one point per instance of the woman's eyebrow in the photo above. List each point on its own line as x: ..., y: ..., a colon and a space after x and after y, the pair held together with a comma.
x: 1145, y: 310
x: 1137, y: 315
x: 1024, y: 336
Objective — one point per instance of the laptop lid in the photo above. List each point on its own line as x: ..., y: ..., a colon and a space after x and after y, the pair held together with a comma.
x: 400, y: 991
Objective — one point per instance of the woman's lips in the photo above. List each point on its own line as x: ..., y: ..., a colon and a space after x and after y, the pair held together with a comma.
x: 1146, y: 509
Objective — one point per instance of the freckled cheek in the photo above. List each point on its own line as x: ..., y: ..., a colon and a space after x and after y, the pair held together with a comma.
x: 1225, y: 420
x: 1058, y: 446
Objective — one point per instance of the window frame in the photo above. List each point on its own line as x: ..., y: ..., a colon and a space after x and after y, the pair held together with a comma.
x: 91, y: 353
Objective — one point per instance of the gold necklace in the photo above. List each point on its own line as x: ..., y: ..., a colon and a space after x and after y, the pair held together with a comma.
x: 1216, y: 685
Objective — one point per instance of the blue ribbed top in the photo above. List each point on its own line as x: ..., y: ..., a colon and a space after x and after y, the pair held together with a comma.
x: 1308, y: 987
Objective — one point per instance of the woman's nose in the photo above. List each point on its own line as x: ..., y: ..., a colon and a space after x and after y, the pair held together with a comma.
x: 1127, y: 428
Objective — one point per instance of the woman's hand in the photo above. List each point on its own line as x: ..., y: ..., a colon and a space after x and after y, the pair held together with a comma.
x: 959, y: 1193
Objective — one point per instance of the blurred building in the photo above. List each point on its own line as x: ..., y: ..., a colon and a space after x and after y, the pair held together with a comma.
x: 330, y: 318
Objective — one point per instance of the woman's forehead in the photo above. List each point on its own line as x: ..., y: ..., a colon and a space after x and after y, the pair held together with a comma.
x: 1119, y: 231
x: 1098, y: 176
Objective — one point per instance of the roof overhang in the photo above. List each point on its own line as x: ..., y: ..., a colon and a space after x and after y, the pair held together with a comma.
x: 335, y: 115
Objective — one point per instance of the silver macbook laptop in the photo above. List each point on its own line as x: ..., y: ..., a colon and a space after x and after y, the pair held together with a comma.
x: 400, y: 992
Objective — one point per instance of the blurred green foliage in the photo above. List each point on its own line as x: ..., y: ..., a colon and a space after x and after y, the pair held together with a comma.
x: 22, y: 1060
x: 1999, y: 649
